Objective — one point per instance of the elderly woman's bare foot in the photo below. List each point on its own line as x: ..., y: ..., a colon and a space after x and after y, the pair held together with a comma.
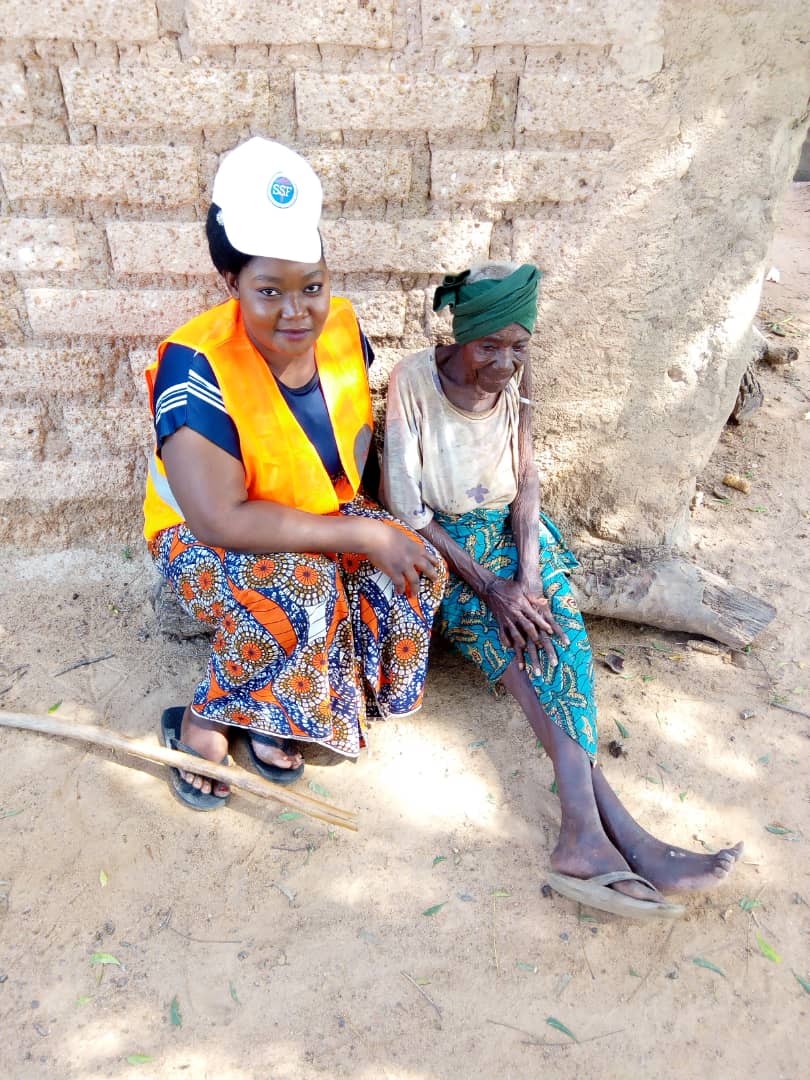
x: 670, y: 869
x: 676, y: 870
x: 210, y: 742
x: 584, y: 855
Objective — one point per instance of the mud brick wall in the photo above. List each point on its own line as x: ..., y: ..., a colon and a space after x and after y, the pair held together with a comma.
x: 636, y: 152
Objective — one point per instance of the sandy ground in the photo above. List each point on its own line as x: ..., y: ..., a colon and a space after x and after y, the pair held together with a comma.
x: 289, y: 948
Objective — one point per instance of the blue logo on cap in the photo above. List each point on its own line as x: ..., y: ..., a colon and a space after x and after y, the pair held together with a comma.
x: 281, y: 191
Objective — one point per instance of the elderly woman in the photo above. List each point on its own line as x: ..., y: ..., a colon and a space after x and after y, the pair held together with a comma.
x: 459, y: 469
x: 321, y: 604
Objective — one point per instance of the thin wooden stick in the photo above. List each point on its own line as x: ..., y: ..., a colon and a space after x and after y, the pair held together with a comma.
x: 139, y: 748
x: 83, y: 663
x: 787, y: 708
x: 424, y: 994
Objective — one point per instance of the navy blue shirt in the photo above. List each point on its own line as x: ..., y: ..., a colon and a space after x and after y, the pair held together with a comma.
x: 187, y: 394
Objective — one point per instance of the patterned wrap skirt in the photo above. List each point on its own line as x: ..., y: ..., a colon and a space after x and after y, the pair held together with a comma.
x: 305, y: 646
x: 566, y: 691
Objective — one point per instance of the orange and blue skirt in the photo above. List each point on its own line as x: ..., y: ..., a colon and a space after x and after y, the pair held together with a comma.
x: 306, y: 646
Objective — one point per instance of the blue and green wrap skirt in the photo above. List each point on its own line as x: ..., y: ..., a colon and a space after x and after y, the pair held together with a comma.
x: 566, y: 691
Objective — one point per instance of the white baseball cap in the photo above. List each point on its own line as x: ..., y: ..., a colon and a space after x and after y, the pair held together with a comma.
x: 270, y: 199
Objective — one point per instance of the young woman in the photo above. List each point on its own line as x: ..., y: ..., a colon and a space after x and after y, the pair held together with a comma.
x: 321, y: 603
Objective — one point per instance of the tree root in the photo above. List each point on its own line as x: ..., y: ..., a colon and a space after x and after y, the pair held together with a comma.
x: 662, y: 588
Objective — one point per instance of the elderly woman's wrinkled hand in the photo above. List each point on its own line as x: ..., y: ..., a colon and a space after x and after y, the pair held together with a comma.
x: 524, y: 620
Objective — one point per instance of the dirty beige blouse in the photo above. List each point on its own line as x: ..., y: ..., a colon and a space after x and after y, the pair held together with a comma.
x: 440, y: 457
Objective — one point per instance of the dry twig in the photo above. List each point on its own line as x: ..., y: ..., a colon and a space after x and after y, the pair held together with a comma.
x: 83, y: 663
x: 228, y: 774
x: 424, y: 994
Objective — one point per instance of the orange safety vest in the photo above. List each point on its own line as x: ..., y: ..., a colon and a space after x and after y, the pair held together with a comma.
x: 281, y: 464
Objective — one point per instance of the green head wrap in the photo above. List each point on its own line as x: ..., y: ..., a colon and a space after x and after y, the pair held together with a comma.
x: 483, y: 307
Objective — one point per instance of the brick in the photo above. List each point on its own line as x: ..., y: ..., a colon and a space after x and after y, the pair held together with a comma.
x: 151, y: 247
x: 78, y: 20
x: 30, y: 370
x: 20, y: 433
x: 392, y: 102
x: 139, y: 361
x: 12, y: 306
x: 338, y: 22
x: 412, y: 246
x: 111, y: 313
x: 133, y: 175
x: 28, y: 245
x: 190, y: 97
x: 381, y: 312
x: 15, y: 106
x: 459, y: 23
x: 362, y: 176
x: 113, y: 431
x: 472, y: 176
x: 552, y: 245
x: 573, y: 100
x: 384, y: 360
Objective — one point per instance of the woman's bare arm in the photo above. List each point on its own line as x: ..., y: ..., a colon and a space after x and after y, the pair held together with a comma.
x: 461, y: 564
x: 209, y: 485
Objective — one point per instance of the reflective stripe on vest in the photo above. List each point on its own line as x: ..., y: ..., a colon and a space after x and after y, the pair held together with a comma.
x: 160, y: 482
x: 281, y: 464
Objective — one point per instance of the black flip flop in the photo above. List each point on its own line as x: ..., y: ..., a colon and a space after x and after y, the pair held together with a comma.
x: 170, y: 724
x: 274, y: 773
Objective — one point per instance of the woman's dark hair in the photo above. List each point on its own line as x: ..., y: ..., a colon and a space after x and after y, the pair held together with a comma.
x: 223, y: 254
